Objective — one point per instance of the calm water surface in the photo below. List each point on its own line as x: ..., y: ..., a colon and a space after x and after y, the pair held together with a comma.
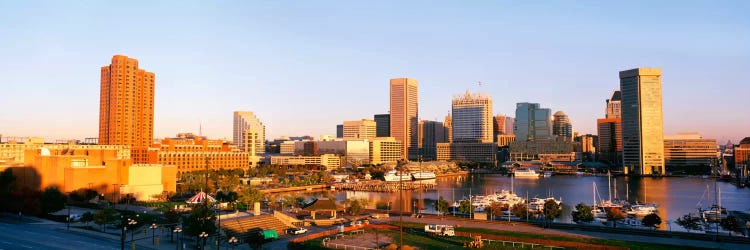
x: 675, y: 196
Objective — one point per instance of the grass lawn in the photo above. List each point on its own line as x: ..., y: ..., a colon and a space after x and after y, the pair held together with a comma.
x: 605, y: 242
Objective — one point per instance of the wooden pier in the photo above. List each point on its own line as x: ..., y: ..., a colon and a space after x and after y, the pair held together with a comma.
x: 386, y: 187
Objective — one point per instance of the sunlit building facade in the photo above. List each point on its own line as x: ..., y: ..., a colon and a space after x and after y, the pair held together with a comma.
x: 249, y: 133
x: 430, y: 134
x: 472, y: 118
x: 363, y: 129
x: 194, y: 153
x: 404, y: 100
x: 689, y: 150
x: 126, y: 106
x: 642, y: 124
x: 385, y: 150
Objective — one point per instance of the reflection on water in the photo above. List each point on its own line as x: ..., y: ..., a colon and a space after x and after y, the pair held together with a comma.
x: 675, y: 196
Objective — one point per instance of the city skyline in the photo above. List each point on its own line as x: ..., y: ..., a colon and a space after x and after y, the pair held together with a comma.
x: 186, y: 72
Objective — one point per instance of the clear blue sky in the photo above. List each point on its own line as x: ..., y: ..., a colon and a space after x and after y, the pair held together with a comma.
x: 305, y: 66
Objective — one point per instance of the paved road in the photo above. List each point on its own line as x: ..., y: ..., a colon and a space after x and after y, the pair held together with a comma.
x: 46, y: 236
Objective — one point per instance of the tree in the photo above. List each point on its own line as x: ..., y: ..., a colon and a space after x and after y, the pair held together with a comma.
x: 520, y: 210
x: 83, y: 194
x: 52, y: 200
x: 201, y: 219
x: 87, y: 217
x: 250, y: 196
x: 584, y: 213
x: 7, y: 180
x: 442, y: 205
x: 229, y: 182
x: 465, y: 207
x: 689, y: 222
x: 614, y: 215
x: 551, y: 210
x: 651, y: 220
x: 104, y: 217
x: 356, y: 206
x: 730, y: 223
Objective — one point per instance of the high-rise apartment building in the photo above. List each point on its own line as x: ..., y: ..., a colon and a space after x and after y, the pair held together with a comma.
x: 404, y: 115
x: 430, y: 134
x: 614, y: 105
x: 689, y: 150
x: 742, y: 155
x: 362, y: 129
x: 532, y: 122
x: 561, y: 126
x: 642, y: 124
x: 249, y: 133
x: 383, y: 125
x: 126, y: 106
x: 472, y: 118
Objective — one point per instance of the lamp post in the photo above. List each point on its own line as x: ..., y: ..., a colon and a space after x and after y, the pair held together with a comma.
x: 203, y: 237
x: 178, y: 231
x: 153, y: 233
x: 233, y: 241
x: 132, y: 224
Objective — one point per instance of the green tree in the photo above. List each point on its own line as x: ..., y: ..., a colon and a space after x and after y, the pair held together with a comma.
x: 520, y: 210
x: 104, y: 217
x: 584, y: 213
x: 551, y: 210
x: 229, y: 182
x: 52, y: 200
x: 201, y: 219
x: 651, y: 220
x: 87, y: 217
x: 250, y: 196
x: 689, y: 222
x: 356, y: 206
x: 730, y: 223
x: 465, y: 207
x: 442, y: 205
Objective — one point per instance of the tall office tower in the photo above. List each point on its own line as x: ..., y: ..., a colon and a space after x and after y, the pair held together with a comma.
x: 404, y: 116
x: 532, y: 122
x: 642, y: 125
x: 472, y: 118
x: 126, y: 107
x: 561, y: 126
x: 362, y: 129
x: 249, y: 133
x: 510, y: 122
x: 383, y: 125
x: 340, y: 131
x: 430, y: 134
x: 449, y: 127
x: 614, y: 107
x: 610, y: 140
x: 498, y: 126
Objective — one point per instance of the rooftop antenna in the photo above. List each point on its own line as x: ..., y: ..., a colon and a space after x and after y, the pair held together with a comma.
x: 200, y: 129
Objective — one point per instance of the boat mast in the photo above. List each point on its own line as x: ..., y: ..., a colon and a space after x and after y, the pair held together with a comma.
x: 609, y: 186
x: 593, y: 184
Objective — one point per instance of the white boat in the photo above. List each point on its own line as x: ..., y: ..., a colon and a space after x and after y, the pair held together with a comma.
x: 394, y: 175
x: 525, y: 173
x: 642, y: 209
x: 547, y: 174
x: 423, y: 175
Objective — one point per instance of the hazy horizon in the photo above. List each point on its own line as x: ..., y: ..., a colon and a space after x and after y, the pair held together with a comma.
x: 304, y: 67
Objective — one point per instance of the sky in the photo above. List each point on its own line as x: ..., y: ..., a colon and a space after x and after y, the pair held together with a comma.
x: 305, y: 66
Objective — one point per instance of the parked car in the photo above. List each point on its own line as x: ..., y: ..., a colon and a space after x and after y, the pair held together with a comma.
x: 74, y: 217
x: 296, y: 230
